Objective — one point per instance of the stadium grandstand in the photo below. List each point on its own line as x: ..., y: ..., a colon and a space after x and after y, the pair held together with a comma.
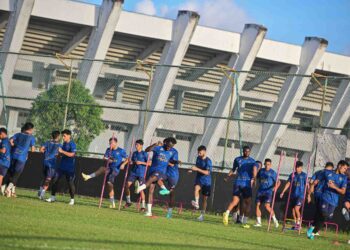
x: 273, y: 82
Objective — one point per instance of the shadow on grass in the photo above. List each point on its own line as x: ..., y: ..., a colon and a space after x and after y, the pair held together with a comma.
x: 135, y: 244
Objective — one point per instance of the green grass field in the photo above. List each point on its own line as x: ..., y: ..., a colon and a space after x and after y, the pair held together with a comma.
x: 28, y: 223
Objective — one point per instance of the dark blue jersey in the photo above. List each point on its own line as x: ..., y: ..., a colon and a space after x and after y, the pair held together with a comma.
x: 22, y: 143
x: 241, y: 161
x: 298, y: 185
x: 266, y: 180
x: 5, y: 158
x: 116, y: 157
x: 320, y: 185
x: 139, y: 170
x: 173, y: 171
x: 204, y: 164
x: 245, y: 174
x: 330, y: 195
x: 68, y: 163
x: 51, y: 152
x: 161, y: 159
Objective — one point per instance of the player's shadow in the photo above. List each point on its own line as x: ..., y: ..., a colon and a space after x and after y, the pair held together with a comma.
x: 135, y: 244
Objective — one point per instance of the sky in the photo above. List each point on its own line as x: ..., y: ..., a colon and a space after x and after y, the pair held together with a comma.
x: 287, y: 21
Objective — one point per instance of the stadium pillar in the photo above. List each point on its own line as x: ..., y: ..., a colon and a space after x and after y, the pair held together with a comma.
x: 99, y: 41
x: 250, y: 42
x: 13, y: 38
x: 290, y: 95
x: 164, y: 76
x: 340, y: 109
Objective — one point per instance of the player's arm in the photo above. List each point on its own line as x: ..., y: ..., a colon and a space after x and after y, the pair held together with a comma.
x: 68, y: 154
x: 202, y: 171
x: 341, y: 191
x: 285, y: 189
x: 255, y: 173
x: 141, y: 163
x: 3, y: 150
x: 125, y: 161
x: 277, y: 184
x: 42, y: 149
x: 232, y: 171
x: 151, y: 147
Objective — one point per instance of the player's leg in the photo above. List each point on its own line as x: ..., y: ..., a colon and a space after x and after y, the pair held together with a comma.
x: 171, y: 203
x: 235, y: 214
x: 3, y: 172
x: 247, y: 204
x: 130, y: 181
x: 172, y: 182
x: 70, y: 178
x: 163, y: 189
x: 18, y: 169
x: 49, y: 173
x: 195, y: 202
x: 42, y: 183
x: 345, y: 210
x: 233, y: 203
x: 110, y: 190
x: 152, y: 186
x: 241, y: 211
x: 111, y: 176
x: 297, y: 215
x: 258, y: 211
x: 141, y: 180
x: 152, y: 179
x: 55, y: 181
x: 206, y: 191
x: 98, y: 172
x: 270, y: 211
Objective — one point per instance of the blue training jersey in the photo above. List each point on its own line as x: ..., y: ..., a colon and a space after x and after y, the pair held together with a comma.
x: 161, y: 159
x: 267, y: 180
x: 5, y: 158
x: 298, y: 185
x: 51, y: 152
x: 139, y: 170
x: 245, y: 174
x: 330, y: 195
x: 319, y: 187
x: 173, y: 171
x: 241, y: 161
x: 117, y: 157
x: 204, y: 164
x: 68, y: 163
x: 22, y: 143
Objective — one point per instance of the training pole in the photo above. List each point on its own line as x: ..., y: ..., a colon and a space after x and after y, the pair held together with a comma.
x: 106, y: 172
x: 290, y: 191
x: 126, y: 174
x: 282, y: 155
x: 306, y: 187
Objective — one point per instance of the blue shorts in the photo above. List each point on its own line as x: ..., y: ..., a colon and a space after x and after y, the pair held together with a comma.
x: 3, y: 171
x: 347, y: 198
x: 159, y: 175
x: 49, y: 172
x: 70, y: 176
x: 297, y: 201
x: 327, y: 209
x: 17, y: 166
x: 112, y: 175
x: 242, y: 191
x: 264, y: 197
x: 133, y: 177
x: 172, y: 182
x: 205, y: 188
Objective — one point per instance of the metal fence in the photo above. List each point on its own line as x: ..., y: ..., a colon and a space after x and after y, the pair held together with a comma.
x: 221, y: 107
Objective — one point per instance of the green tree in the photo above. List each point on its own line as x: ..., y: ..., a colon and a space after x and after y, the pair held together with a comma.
x: 47, y: 114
